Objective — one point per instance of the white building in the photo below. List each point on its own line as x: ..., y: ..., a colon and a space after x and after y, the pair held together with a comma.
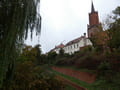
x: 57, y: 48
x: 74, y: 45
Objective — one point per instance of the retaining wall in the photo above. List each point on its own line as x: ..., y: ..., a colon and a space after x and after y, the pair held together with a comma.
x: 83, y: 76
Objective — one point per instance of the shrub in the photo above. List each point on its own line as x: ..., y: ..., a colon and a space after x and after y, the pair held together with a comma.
x: 30, y: 77
x: 89, y: 61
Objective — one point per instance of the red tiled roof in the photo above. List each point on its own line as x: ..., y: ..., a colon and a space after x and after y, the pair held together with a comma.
x: 69, y: 43
x: 59, y: 46
x: 75, y: 40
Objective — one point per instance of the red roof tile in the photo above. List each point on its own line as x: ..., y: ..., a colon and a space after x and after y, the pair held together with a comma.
x: 75, y: 40
x: 59, y: 46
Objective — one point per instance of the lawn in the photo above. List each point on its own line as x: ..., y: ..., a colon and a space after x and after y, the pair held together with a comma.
x: 97, y: 85
x: 68, y: 87
x: 72, y: 79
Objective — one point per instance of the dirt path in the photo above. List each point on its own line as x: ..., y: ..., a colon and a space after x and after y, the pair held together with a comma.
x: 83, y: 76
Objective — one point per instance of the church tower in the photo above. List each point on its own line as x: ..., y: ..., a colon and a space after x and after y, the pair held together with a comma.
x: 94, y: 25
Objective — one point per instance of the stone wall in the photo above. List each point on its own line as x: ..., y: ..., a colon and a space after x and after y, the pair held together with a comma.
x: 83, y: 76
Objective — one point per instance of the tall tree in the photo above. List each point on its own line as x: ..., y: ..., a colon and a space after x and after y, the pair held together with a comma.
x: 114, y: 30
x: 16, y: 18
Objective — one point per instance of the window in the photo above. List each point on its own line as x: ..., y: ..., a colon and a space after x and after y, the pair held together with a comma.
x: 77, y: 45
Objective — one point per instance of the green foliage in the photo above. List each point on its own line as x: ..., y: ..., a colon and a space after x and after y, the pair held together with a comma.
x: 104, y: 71
x: 29, y: 75
x: 61, y: 52
x: 68, y: 87
x: 88, y: 49
x: 29, y: 53
x: 106, y: 84
x: 33, y: 54
x: 16, y: 18
x: 104, y: 66
x: 114, y: 30
x: 51, y: 57
x: 117, y: 11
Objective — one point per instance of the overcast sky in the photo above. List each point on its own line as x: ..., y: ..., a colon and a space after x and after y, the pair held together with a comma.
x: 65, y: 20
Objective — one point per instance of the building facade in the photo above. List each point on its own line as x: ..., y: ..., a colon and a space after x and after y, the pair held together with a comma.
x: 77, y: 44
x: 74, y: 45
x: 57, y: 48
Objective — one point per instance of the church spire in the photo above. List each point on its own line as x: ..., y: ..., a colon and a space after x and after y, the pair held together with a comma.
x: 92, y: 8
x: 94, y: 24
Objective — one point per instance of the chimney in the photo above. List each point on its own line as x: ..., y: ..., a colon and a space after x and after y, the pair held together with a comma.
x: 84, y: 34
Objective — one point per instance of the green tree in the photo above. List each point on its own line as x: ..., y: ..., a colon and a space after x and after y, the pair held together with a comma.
x: 61, y: 52
x: 51, y: 57
x: 16, y: 18
x: 29, y: 76
x: 114, y: 30
x: 38, y: 54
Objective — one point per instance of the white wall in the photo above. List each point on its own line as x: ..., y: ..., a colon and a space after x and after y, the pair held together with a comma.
x: 57, y: 50
x: 70, y: 49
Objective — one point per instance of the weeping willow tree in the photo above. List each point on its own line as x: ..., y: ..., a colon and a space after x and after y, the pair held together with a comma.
x: 17, y: 17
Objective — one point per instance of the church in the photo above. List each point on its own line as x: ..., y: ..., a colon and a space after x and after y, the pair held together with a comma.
x: 83, y: 41
x: 94, y: 24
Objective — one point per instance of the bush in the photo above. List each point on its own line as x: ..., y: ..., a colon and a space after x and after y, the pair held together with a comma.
x: 31, y: 74
x: 90, y: 61
x: 30, y: 77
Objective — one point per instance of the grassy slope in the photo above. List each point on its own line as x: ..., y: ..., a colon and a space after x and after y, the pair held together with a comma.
x: 94, y: 86
x: 74, y: 80
x: 81, y: 83
x: 68, y: 87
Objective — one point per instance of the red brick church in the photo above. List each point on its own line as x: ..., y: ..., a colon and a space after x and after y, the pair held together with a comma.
x: 94, y: 24
x: 95, y: 29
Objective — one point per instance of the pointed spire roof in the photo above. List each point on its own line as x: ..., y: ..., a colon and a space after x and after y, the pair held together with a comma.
x: 92, y: 8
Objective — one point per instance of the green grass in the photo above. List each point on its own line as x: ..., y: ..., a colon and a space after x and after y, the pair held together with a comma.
x: 72, y: 79
x: 97, y: 85
x: 78, y: 82
x: 68, y: 87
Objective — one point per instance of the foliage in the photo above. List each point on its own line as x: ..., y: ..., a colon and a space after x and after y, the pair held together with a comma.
x: 61, y: 52
x: 89, y: 61
x: 68, y: 87
x: 104, y: 71
x: 117, y: 11
x: 29, y: 53
x: 33, y: 54
x: 16, y: 18
x: 51, y: 57
x: 110, y: 37
x: 85, y: 58
x: 99, y: 40
x: 31, y: 75
x: 110, y: 82
x: 114, y: 30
